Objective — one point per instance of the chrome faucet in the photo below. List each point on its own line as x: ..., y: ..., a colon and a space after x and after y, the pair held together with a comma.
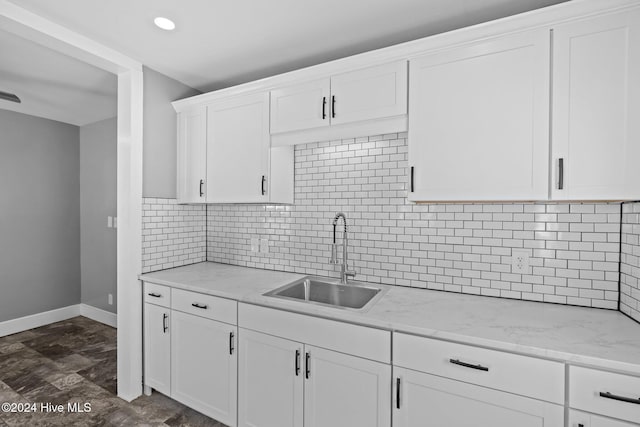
x: 345, y: 273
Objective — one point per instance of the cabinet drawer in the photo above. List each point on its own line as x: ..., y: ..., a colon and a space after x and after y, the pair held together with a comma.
x: 361, y: 341
x: 221, y: 309
x: 527, y: 376
x: 157, y: 294
x: 586, y: 386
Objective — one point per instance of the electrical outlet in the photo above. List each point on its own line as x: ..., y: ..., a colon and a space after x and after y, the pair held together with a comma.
x: 255, y: 244
x: 519, y: 261
x: 110, y: 299
x: 109, y: 222
x: 115, y: 222
x: 264, y: 246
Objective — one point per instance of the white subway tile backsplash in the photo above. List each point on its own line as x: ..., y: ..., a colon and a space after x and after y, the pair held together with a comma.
x: 458, y: 247
x: 630, y: 261
x: 172, y: 235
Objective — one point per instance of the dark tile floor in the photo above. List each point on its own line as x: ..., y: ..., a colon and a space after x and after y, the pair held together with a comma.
x: 74, y: 361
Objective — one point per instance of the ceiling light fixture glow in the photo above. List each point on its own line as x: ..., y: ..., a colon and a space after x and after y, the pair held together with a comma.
x: 164, y: 23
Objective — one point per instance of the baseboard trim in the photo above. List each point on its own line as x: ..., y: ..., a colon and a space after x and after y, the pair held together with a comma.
x: 99, y: 315
x: 25, y: 323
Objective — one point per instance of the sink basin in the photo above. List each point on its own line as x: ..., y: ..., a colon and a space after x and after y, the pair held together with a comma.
x: 325, y: 292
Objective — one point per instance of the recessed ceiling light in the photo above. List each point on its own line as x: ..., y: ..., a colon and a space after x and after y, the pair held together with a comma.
x: 164, y: 23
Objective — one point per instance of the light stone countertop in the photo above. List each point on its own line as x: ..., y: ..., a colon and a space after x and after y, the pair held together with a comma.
x: 586, y: 336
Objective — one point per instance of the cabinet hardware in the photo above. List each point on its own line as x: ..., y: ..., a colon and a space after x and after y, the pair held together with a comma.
x: 165, y: 316
x: 411, y: 179
x: 297, y: 362
x: 608, y: 395
x: 560, y: 173
x: 262, y: 184
x: 580, y: 425
x: 333, y: 106
x: 201, y: 184
x: 469, y: 365
x: 324, y: 107
x: 153, y: 294
x: 231, y: 348
x: 307, y: 365
x: 398, y: 393
x: 202, y: 306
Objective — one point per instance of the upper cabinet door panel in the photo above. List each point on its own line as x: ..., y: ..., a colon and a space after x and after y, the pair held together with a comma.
x: 192, y: 152
x: 479, y: 120
x: 596, y: 105
x: 299, y: 107
x: 368, y: 94
x: 238, y: 150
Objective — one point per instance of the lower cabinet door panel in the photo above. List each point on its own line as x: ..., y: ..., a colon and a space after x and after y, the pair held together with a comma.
x: 431, y: 401
x: 345, y: 391
x: 270, y: 381
x: 582, y: 419
x: 204, y: 367
x: 157, y: 347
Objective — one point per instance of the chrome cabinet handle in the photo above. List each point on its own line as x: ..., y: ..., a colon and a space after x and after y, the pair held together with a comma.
x: 202, y: 306
x: 608, y: 395
x: 307, y: 365
x: 231, y: 346
x: 297, y: 369
x: 201, y: 184
x: 398, y: 393
x: 153, y: 294
x: 411, y: 180
x: 165, y: 316
x: 262, y: 184
x: 333, y: 106
x: 469, y: 365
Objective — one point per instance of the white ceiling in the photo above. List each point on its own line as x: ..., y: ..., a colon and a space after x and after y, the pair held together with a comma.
x: 53, y: 85
x: 225, y: 42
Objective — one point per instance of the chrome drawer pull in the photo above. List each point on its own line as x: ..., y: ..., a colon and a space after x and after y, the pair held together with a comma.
x: 202, y: 306
x: 608, y: 395
x: 153, y: 294
x: 469, y: 365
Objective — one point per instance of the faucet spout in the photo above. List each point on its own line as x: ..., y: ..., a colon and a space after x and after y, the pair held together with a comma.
x: 345, y: 273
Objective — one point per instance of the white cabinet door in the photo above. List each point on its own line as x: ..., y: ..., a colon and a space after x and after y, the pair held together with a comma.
x: 270, y: 381
x: 157, y: 348
x: 299, y: 107
x: 479, y: 117
x: 596, y: 105
x: 238, y: 150
x: 431, y: 401
x: 368, y: 94
x: 345, y: 391
x: 192, y: 155
x: 204, y: 366
x: 582, y: 419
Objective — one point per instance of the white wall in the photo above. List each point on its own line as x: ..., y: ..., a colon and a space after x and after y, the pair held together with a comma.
x: 98, y: 162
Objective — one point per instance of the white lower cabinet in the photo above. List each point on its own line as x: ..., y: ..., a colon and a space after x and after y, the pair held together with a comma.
x: 583, y: 419
x: 425, y: 400
x: 204, y: 366
x: 344, y: 390
x: 157, y: 342
x: 284, y: 382
x: 270, y: 381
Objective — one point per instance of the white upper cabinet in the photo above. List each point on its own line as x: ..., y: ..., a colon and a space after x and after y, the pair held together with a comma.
x: 192, y: 155
x: 479, y: 118
x: 596, y: 106
x: 302, y: 106
x: 238, y: 149
x: 372, y: 93
x: 362, y: 102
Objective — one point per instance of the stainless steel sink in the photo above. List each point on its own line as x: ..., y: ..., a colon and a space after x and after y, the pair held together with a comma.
x: 322, y: 291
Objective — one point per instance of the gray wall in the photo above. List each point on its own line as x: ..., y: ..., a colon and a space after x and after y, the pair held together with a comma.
x: 159, y: 175
x: 98, y: 166
x: 39, y: 215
